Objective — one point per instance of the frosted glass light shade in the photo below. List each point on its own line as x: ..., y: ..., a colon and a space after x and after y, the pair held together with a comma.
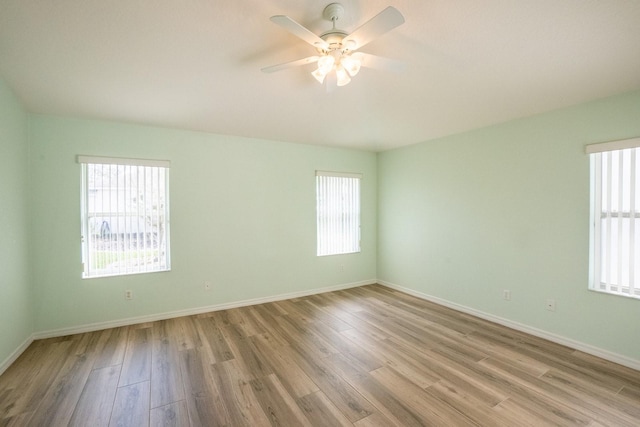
x: 325, y: 64
x: 342, y: 75
x: 352, y: 65
x: 319, y: 75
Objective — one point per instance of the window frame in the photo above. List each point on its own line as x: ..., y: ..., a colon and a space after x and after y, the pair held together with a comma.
x: 351, y: 223
x: 602, y: 175
x: 163, y: 262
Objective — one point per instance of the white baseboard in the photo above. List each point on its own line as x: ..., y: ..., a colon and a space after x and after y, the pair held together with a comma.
x: 191, y: 311
x: 587, y: 348
x: 16, y: 353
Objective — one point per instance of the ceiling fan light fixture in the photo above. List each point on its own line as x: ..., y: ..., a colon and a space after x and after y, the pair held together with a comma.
x: 319, y: 75
x: 342, y: 75
x: 325, y: 63
x: 351, y: 64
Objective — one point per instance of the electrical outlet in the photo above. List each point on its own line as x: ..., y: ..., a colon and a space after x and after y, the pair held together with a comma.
x: 341, y: 267
x: 207, y: 286
x: 506, y: 294
x: 551, y: 305
x: 128, y: 294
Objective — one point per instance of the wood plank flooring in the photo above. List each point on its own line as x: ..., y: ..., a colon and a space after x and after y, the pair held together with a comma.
x: 367, y: 356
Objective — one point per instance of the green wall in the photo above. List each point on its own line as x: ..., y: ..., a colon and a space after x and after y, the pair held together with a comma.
x: 459, y: 219
x: 242, y: 217
x: 16, y: 316
x: 507, y: 207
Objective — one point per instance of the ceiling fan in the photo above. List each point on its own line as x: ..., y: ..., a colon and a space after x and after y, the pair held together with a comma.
x: 336, y: 49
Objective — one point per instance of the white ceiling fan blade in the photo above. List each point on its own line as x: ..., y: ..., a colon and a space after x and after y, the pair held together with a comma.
x: 385, y: 21
x: 289, y: 64
x: 299, y: 31
x: 380, y: 62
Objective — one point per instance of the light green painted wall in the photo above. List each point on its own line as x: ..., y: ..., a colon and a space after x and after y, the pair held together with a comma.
x: 459, y: 218
x: 16, y: 316
x: 507, y: 207
x: 242, y: 217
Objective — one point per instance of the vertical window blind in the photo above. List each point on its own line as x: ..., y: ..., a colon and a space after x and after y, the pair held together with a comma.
x: 615, y: 217
x: 338, y: 212
x: 125, y: 216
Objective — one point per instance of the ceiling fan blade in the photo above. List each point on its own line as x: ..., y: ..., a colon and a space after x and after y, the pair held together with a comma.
x: 290, y: 64
x: 299, y: 31
x: 380, y: 62
x: 385, y: 21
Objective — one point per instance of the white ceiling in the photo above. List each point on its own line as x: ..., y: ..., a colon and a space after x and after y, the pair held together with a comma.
x: 195, y: 64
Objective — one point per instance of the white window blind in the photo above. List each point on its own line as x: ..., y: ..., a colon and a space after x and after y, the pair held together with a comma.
x: 125, y: 216
x: 338, y: 212
x: 615, y: 217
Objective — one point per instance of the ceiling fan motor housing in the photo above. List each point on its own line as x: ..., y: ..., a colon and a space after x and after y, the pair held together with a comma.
x: 334, y: 40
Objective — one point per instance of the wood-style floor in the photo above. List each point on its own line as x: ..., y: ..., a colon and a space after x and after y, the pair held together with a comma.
x: 367, y: 356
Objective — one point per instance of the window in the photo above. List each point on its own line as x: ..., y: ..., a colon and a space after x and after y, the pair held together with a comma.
x: 615, y: 217
x: 338, y: 212
x: 125, y: 216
